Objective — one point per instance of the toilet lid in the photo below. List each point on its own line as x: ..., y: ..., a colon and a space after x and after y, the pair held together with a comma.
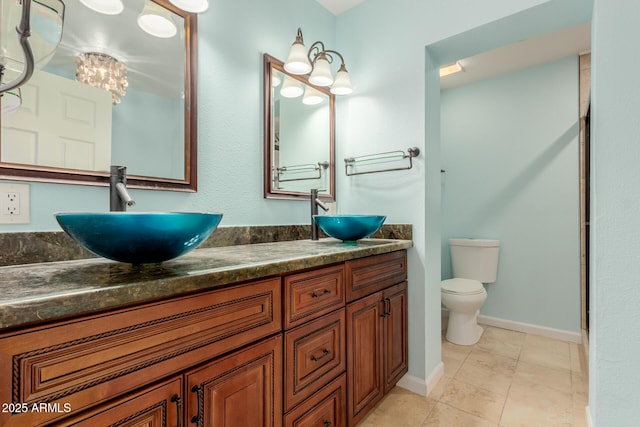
x: 462, y: 286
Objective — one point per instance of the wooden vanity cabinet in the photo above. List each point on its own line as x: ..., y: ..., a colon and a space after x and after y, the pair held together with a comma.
x: 315, y: 348
x: 87, y: 361
x: 376, y: 330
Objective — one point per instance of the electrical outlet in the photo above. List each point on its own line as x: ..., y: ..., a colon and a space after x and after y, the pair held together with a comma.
x: 14, y: 203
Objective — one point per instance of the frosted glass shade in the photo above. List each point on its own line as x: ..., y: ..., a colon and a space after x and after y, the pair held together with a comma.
x: 107, y: 7
x: 156, y: 20
x: 297, y: 61
x: 276, y: 79
x: 46, y: 32
x: 193, y: 6
x: 311, y: 96
x: 291, y: 88
x: 321, y: 75
x: 342, y: 84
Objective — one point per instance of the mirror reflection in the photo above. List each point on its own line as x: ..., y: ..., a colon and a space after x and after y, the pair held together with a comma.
x: 118, y: 90
x: 299, y: 135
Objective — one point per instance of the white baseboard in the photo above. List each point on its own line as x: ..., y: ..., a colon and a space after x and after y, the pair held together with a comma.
x: 588, y: 416
x: 434, y: 377
x: 544, y: 331
x: 414, y: 384
x: 420, y: 386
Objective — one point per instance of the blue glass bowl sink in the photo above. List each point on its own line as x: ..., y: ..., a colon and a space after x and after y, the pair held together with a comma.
x: 139, y: 237
x: 349, y: 227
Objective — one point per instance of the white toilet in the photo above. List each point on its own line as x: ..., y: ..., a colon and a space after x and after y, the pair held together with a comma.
x: 474, y: 262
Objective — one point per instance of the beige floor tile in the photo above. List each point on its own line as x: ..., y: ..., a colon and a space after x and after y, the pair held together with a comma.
x: 546, y: 351
x: 487, y: 371
x: 577, y: 359
x: 533, y: 405
x: 453, y: 356
x: 439, y: 389
x: 501, y: 342
x: 399, y: 408
x: 447, y: 416
x: 474, y: 400
x: 558, y: 379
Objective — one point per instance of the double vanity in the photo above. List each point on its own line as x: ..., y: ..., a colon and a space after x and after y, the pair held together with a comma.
x: 295, y: 333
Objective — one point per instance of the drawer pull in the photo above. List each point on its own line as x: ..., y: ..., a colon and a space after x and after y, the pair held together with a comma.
x: 325, y: 353
x: 324, y: 292
x: 175, y: 398
x: 327, y: 424
x: 196, y: 419
x: 387, y: 308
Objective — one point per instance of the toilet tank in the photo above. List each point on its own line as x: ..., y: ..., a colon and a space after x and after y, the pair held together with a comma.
x: 475, y: 259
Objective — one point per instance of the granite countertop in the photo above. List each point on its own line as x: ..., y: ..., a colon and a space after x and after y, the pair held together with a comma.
x: 37, y: 293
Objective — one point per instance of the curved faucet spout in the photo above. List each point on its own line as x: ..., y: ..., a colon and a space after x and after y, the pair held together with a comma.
x: 119, y: 197
x: 124, y: 194
x: 315, y: 202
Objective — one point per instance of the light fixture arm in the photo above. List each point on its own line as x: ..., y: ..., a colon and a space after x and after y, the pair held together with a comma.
x: 318, y: 49
x: 24, y: 32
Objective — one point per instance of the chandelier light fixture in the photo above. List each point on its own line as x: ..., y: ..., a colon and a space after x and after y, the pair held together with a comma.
x: 317, y: 61
x: 102, y: 71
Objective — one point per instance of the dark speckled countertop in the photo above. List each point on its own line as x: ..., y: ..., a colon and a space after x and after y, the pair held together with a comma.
x: 36, y: 293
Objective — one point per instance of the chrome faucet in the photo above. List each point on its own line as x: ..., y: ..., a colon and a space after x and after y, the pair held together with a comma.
x: 315, y: 202
x: 119, y: 196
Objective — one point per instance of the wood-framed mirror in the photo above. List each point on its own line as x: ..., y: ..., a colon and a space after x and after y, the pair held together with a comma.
x: 152, y: 131
x: 299, y: 135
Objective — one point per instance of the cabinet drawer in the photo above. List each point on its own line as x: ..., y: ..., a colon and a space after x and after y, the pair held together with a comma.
x: 160, y: 405
x: 326, y: 408
x: 313, y: 293
x: 88, y: 360
x: 372, y: 274
x: 314, y: 354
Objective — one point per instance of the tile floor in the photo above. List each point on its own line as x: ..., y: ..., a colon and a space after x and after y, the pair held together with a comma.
x: 507, y: 379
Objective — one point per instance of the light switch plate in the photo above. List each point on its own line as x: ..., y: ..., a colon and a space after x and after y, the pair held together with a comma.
x: 14, y: 203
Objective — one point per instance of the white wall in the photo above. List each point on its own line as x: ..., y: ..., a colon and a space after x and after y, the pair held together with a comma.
x: 510, y: 151
x: 615, y: 211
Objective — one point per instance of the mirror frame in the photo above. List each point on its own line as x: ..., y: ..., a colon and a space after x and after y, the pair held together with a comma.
x: 32, y: 173
x: 271, y: 63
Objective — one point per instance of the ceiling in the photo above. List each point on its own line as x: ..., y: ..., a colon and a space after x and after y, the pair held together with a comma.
x: 524, y: 54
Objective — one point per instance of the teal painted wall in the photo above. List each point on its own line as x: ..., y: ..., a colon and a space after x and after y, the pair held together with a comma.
x: 510, y: 149
x: 615, y: 251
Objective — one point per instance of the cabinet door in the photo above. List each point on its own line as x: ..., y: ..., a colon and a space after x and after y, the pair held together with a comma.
x: 240, y: 390
x: 395, y: 334
x: 364, y: 356
x: 159, y: 405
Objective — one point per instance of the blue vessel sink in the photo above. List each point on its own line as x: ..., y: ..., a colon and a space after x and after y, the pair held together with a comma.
x: 139, y: 237
x: 349, y: 228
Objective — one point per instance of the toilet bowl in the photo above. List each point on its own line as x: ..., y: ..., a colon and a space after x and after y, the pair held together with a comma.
x: 474, y: 262
x: 463, y: 298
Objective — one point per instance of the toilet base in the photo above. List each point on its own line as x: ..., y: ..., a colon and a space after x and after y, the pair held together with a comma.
x: 463, y: 328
